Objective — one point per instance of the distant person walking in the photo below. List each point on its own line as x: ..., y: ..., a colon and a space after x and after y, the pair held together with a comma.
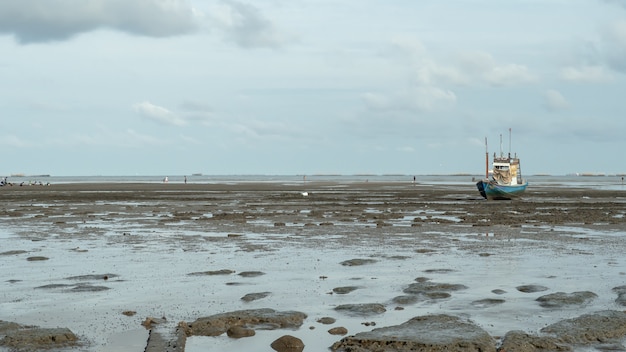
x: 185, y: 179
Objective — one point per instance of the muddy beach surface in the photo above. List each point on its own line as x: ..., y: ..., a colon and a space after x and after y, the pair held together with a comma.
x: 106, y: 267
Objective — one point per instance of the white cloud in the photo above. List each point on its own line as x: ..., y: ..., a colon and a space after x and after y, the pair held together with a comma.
x: 48, y: 106
x: 420, y: 98
x: 103, y: 136
x: 158, y: 114
x: 376, y: 101
x: 406, y: 149
x: 618, y: 2
x: 428, y: 80
x: 195, y: 106
x: 13, y: 141
x: 615, y: 45
x: 428, y: 98
x: 476, y: 63
x: 555, y: 101
x: 190, y: 140
x: 266, y: 129
x: 196, y: 111
x: 426, y: 69
x: 618, y: 32
x: 480, y: 66
x: 32, y: 21
x: 509, y: 74
x: 137, y: 139
x: 586, y: 74
x: 430, y: 72
x: 411, y: 46
x: 465, y: 68
x: 245, y: 25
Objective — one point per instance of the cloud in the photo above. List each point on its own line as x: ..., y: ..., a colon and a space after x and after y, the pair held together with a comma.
x: 554, y: 101
x: 586, y: 74
x: 420, y: 98
x: 245, y: 25
x: 429, y: 98
x: 376, y: 101
x: 196, y: 111
x: 36, y: 21
x: 266, y: 129
x: 426, y: 91
x: 618, y: 33
x: 410, y: 46
x: 618, y: 2
x: 476, y: 62
x: 102, y: 136
x: 195, y: 106
x: 509, y: 74
x: 481, y: 66
x: 430, y: 72
x: 190, y: 140
x: 426, y: 69
x: 47, y: 106
x: 13, y: 141
x: 465, y: 67
x: 158, y: 114
x: 615, y: 44
x: 138, y: 139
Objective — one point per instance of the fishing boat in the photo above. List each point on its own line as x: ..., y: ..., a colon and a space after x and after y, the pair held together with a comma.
x: 506, y: 180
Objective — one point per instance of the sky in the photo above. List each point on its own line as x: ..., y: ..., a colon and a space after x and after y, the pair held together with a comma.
x: 304, y: 87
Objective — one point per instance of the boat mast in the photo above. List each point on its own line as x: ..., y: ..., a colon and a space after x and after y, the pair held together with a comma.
x: 501, y: 154
x: 486, y: 160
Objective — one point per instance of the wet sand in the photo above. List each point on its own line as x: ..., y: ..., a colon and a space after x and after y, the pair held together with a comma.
x: 99, y: 259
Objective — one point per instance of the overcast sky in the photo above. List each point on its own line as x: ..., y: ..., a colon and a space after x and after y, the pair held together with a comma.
x: 174, y: 87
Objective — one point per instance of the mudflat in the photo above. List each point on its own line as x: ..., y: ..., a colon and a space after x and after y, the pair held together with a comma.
x: 102, y: 259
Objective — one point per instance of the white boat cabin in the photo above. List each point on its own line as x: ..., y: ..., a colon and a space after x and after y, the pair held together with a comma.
x: 507, y: 171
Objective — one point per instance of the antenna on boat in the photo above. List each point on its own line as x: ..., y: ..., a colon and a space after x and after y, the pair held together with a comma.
x: 501, y: 154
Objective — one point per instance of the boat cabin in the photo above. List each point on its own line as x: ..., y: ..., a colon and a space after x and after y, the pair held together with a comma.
x: 507, y: 171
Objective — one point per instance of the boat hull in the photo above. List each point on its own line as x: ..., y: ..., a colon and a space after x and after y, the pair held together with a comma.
x: 494, y: 191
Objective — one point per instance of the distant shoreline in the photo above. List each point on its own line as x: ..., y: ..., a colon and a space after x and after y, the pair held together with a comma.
x: 308, y: 182
x: 325, y: 175
x: 310, y: 188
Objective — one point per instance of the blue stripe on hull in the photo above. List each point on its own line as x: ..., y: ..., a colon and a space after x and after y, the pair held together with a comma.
x: 495, y: 191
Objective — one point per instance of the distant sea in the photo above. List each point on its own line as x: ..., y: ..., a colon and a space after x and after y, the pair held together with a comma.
x: 591, y: 181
